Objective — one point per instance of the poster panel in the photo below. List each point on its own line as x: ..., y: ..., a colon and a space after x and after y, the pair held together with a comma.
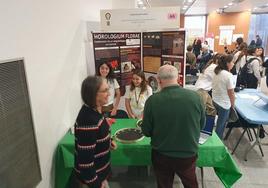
x: 166, y: 47
x: 173, y: 48
x: 152, y: 51
x: 122, y: 51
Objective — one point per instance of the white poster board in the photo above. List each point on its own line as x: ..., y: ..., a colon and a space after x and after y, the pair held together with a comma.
x: 226, y: 34
x: 140, y: 19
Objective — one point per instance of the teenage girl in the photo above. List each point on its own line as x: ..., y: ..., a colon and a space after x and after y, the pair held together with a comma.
x: 105, y: 71
x: 136, y: 95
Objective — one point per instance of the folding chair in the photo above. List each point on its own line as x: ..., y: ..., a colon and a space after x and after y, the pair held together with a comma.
x: 242, y: 123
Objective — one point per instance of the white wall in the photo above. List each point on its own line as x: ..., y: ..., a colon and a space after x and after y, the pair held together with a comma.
x: 125, y: 4
x: 50, y: 35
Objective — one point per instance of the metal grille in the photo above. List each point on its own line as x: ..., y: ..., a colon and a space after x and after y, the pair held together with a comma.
x: 19, y: 163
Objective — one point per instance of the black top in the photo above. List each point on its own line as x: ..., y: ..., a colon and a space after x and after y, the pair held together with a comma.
x: 92, y: 147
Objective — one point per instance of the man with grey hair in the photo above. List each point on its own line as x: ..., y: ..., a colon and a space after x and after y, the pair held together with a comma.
x: 173, y: 119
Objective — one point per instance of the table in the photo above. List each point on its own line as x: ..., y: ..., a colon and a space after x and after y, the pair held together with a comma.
x: 211, y: 154
x: 253, y: 109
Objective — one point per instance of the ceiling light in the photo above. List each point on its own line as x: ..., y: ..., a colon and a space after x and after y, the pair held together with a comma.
x: 190, y: 1
x: 220, y: 10
x: 255, y: 8
x: 140, y: 3
x: 230, y: 4
x: 225, y: 6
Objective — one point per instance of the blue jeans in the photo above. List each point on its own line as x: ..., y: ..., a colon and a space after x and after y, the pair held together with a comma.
x: 223, y: 116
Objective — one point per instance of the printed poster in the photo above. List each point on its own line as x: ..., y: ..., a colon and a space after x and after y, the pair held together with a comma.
x: 122, y: 51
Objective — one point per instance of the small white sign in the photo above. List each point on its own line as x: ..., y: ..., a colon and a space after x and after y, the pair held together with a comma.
x: 140, y: 19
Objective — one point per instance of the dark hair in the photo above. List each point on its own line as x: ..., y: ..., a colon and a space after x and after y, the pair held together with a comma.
x: 189, y: 48
x: 222, y: 63
x: 262, y: 55
x: 198, y: 42
x: 242, y: 46
x: 243, y: 51
x: 110, y: 75
x: 251, y: 49
x: 214, y: 60
x: 239, y: 40
x: 141, y: 74
x: 89, y: 90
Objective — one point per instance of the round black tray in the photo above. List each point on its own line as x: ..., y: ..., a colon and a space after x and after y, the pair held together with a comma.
x: 128, y: 135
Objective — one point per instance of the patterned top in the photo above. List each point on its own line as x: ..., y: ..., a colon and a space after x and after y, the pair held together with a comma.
x: 92, y: 147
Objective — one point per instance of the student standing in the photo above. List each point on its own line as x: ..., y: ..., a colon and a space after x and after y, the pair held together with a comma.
x: 223, y: 91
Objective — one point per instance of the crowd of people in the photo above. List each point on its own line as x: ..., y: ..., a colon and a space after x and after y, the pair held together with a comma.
x: 172, y: 117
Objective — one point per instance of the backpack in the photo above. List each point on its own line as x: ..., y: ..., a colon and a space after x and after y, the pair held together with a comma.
x: 243, y: 76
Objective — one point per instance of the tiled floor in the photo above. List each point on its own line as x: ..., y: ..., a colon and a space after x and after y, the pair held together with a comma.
x: 255, y: 170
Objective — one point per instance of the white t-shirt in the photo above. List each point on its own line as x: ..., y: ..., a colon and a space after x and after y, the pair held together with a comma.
x: 205, y: 79
x: 138, y: 99
x: 221, y: 83
x: 113, y: 85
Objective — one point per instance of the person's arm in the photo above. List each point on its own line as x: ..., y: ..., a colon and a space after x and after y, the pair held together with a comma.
x: 150, y: 91
x: 231, y: 95
x: 128, y: 108
x: 230, y: 88
x: 265, y: 64
x: 117, y: 97
x: 117, y: 100
x: 203, y: 114
x: 256, y: 70
x: 147, y: 122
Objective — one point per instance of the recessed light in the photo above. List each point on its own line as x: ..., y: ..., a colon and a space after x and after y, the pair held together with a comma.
x: 190, y: 1
x: 225, y: 6
x: 230, y: 4
x: 255, y: 8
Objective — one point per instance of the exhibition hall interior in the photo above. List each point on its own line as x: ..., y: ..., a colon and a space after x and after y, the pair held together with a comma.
x: 134, y: 94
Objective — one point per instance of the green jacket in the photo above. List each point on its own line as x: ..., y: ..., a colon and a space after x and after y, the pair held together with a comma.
x: 173, y: 119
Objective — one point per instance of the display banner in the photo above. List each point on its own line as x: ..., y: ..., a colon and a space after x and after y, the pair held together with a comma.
x: 157, y: 18
x: 167, y: 47
x: 122, y: 51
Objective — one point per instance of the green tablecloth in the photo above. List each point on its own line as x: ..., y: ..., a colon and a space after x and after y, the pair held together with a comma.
x: 211, y: 154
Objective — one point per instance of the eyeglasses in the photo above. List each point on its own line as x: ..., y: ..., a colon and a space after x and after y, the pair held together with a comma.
x: 104, y: 90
